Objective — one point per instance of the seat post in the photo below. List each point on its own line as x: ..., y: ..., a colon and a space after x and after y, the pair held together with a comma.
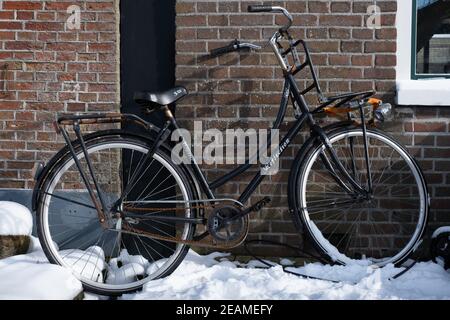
x: 168, y: 113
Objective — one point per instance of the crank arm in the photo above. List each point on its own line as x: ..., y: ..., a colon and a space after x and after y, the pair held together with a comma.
x: 254, y: 208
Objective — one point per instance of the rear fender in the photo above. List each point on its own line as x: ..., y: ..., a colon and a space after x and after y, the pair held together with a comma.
x: 64, y: 152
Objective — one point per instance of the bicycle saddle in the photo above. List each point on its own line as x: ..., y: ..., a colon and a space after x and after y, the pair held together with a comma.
x: 146, y: 98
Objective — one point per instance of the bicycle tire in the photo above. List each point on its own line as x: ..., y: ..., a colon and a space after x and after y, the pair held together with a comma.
x: 303, y: 221
x: 62, y: 160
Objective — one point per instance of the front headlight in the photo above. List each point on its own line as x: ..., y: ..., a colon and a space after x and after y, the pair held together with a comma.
x: 383, y: 112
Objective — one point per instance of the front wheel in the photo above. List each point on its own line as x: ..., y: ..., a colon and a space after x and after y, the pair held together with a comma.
x: 379, y: 228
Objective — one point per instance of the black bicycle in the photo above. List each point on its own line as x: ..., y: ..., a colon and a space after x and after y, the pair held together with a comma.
x: 115, y: 208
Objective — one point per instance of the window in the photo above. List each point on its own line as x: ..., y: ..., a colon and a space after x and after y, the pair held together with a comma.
x: 422, y: 77
x: 430, y: 39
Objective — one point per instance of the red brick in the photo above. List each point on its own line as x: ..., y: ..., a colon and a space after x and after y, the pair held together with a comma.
x: 341, y: 6
x: 379, y: 73
x: 22, y: 5
x: 364, y: 60
x: 250, y: 20
x: 380, y: 46
x: 385, y: 60
x: 7, y: 25
x: 207, y: 7
x: 340, y: 72
x: 100, y: 6
x: 185, y: 7
x: 351, y: 46
x: 339, y: 33
x: 6, y: 15
x: 191, y: 21
x: 248, y: 73
x: 44, y: 26
x: 101, y: 47
x: 340, y: 20
x: 318, y: 6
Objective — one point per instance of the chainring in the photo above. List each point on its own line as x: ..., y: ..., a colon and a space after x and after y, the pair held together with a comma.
x: 222, y: 228
x: 203, y: 239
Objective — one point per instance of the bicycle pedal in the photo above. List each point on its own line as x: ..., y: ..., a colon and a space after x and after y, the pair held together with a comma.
x: 260, y: 204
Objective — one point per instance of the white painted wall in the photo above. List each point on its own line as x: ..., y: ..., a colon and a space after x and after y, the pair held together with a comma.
x: 426, y: 92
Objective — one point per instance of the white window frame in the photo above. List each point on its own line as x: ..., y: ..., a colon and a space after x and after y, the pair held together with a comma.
x: 425, y: 91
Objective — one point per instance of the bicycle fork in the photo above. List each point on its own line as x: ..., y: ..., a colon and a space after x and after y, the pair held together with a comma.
x: 340, y: 167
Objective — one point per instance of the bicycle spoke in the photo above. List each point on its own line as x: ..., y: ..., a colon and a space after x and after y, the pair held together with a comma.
x: 364, y: 226
x: 75, y: 227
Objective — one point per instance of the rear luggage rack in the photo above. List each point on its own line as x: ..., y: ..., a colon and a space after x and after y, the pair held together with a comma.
x: 100, y: 118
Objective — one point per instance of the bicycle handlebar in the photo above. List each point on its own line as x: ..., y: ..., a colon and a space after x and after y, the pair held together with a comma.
x: 258, y: 8
x: 274, y: 9
x: 233, y: 46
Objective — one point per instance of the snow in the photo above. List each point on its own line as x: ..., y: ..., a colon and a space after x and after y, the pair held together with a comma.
x: 332, y: 251
x: 440, y: 231
x: 31, y: 277
x: 213, y: 276
x: 15, y: 219
x: 125, y: 267
x: 203, y: 277
x: 89, y: 263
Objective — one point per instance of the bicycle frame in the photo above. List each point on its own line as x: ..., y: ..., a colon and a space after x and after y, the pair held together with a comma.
x: 303, y: 116
x: 306, y: 117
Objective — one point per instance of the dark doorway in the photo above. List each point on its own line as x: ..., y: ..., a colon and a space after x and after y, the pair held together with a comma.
x: 147, y: 53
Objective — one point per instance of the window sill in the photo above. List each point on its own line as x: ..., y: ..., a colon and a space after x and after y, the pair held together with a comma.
x: 423, y: 92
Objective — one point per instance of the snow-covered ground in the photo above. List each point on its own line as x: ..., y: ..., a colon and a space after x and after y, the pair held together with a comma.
x: 31, y: 277
x: 203, y: 277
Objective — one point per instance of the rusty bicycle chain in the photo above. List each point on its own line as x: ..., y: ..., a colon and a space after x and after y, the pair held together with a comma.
x: 205, y: 242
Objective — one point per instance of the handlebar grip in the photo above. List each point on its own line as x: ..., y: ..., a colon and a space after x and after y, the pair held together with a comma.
x: 259, y: 8
x: 233, y: 46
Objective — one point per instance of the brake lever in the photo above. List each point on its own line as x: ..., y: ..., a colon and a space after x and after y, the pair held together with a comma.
x: 249, y: 46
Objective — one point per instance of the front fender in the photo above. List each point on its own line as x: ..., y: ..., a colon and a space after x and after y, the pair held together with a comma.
x: 301, y: 154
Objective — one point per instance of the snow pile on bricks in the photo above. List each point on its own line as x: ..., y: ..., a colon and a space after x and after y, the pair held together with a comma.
x: 16, y: 225
x: 25, y: 272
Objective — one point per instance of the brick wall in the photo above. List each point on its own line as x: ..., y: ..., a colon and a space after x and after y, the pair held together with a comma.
x: 50, y: 69
x: 243, y: 90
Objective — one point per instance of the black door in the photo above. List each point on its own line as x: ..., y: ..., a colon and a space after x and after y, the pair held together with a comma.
x: 147, y: 35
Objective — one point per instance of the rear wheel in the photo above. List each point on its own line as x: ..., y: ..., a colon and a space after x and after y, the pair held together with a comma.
x: 381, y: 228
x: 119, y: 257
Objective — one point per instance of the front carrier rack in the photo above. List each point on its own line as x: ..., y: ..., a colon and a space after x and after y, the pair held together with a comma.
x: 337, y: 105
